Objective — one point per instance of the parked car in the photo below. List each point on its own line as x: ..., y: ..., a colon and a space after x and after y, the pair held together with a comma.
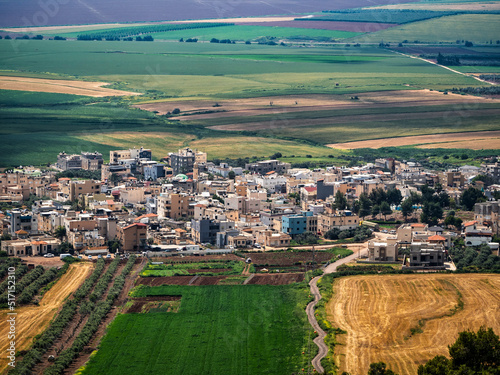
x: 80, y: 257
x: 90, y: 257
x: 108, y: 256
x: 99, y: 256
x: 49, y: 255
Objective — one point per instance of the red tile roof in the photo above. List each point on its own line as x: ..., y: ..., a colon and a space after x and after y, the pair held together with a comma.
x: 469, y: 223
x: 436, y: 238
x: 310, y: 189
x: 145, y: 216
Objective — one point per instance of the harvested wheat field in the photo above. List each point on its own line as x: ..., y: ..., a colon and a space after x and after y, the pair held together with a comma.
x: 487, y: 140
x: 33, y: 320
x: 60, y: 86
x: 378, y: 313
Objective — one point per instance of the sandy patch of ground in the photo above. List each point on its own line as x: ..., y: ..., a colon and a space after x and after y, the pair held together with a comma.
x: 94, y: 89
x: 472, y: 140
x: 493, y: 5
x: 377, y: 312
x: 33, y: 320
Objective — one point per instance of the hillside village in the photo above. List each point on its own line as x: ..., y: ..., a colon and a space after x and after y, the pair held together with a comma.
x: 184, y: 204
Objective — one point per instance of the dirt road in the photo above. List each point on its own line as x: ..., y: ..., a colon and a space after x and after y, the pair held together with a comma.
x: 359, y: 250
x: 33, y: 320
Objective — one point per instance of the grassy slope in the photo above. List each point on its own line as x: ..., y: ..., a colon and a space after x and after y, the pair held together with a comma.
x: 478, y: 28
x: 218, y: 330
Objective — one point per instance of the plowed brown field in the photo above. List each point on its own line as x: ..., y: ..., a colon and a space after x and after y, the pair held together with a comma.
x: 489, y: 140
x: 33, y: 320
x: 378, y: 312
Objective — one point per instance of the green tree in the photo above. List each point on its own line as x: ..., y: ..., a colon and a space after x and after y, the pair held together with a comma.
x: 406, y: 208
x: 375, y: 210
x: 385, y: 209
x: 114, y: 245
x: 478, y: 351
x: 365, y: 205
x: 470, y: 197
x: 340, y: 201
x: 431, y: 213
x: 60, y: 232
x: 231, y: 175
x: 380, y: 368
x: 394, y: 196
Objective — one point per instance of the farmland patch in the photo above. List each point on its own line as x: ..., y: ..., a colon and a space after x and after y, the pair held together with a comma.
x: 472, y: 140
x: 154, y: 304
x: 247, y: 329
x: 94, y: 89
x: 405, y: 320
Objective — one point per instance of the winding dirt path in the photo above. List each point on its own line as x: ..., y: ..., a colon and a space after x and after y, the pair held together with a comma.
x: 320, y: 340
x: 33, y: 320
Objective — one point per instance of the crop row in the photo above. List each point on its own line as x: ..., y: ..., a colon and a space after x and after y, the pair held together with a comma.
x: 101, y: 309
x: 18, y: 274
x: 4, y: 266
x: 29, y: 278
x: 123, y: 32
x: 32, y: 289
x: 48, y: 337
x: 104, y: 281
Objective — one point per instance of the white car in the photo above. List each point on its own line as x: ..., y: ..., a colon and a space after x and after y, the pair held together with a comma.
x: 49, y: 255
x: 90, y: 257
x: 108, y: 256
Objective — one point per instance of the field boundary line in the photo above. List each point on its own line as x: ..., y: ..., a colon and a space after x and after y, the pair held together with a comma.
x: 445, y: 67
x: 248, y: 279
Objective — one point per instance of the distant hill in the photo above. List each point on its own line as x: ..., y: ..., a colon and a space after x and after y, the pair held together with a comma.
x: 71, y: 12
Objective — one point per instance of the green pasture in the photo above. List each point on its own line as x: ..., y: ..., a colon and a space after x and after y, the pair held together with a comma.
x: 477, y: 28
x: 238, y: 33
x: 236, y: 329
x: 478, y: 69
x: 243, y: 32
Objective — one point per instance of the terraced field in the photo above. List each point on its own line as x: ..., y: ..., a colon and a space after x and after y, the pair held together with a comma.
x: 405, y: 320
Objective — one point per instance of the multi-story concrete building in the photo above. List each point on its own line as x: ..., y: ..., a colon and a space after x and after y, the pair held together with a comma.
x: 132, y: 237
x: 67, y: 162
x: 92, y: 161
x: 183, y: 161
x: 487, y: 213
x: 175, y: 205
x: 264, y: 167
x: 298, y: 224
x: 341, y: 220
x: 133, y: 153
x: 451, y: 179
x: 426, y: 255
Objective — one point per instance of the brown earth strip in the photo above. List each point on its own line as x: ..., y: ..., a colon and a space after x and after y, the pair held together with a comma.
x: 277, y: 279
x: 33, y: 320
x: 456, y: 140
x: 300, y: 123
x: 93, y: 89
x: 192, y: 108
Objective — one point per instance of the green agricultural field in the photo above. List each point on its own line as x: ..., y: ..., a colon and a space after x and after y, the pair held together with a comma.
x: 218, y: 330
x: 478, y: 28
x: 241, y: 33
x: 236, y: 32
